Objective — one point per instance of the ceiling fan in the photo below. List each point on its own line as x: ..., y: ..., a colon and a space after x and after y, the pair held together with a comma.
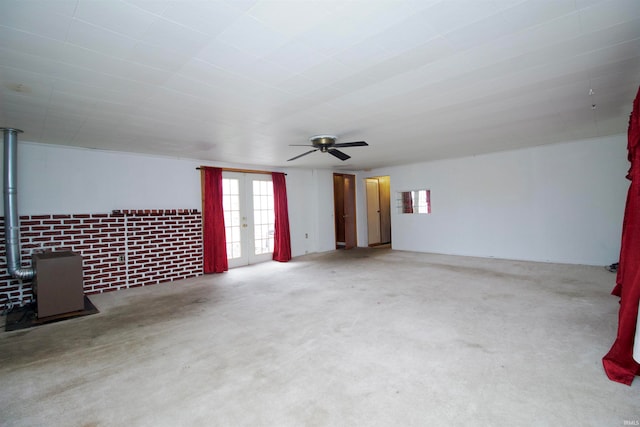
x: 327, y: 144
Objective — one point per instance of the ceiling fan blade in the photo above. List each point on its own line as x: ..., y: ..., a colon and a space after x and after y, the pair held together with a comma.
x: 303, y: 154
x: 300, y: 145
x: 351, y: 144
x: 339, y: 154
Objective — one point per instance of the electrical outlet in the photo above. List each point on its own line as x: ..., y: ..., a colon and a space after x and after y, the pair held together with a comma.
x: 306, y: 235
x: 121, y: 259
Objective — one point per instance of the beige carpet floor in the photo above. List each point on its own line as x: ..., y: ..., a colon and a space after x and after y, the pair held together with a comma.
x: 366, y: 337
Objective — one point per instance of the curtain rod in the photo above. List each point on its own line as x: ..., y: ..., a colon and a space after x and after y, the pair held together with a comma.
x: 238, y: 170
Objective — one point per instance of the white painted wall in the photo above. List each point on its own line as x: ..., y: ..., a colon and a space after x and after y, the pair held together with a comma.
x: 55, y: 179
x: 323, y: 206
x: 559, y: 203
x: 310, y: 194
x: 556, y: 203
x: 66, y: 180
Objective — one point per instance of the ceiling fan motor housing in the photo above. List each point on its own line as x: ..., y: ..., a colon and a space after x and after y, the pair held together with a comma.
x: 323, y: 142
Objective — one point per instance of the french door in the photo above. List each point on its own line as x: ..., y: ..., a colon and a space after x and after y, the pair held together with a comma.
x: 249, y: 217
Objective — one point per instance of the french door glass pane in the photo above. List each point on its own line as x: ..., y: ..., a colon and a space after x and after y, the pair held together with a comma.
x: 263, y: 217
x: 231, y: 207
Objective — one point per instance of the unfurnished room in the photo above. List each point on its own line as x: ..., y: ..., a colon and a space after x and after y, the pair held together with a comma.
x: 320, y: 212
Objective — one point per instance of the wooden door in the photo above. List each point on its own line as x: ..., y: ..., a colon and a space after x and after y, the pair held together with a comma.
x: 378, y: 210
x: 338, y: 209
x: 373, y: 212
x: 384, y: 187
x: 344, y: 195
x: 350, y: 236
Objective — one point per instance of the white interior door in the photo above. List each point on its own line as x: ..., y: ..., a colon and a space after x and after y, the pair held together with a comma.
x: 249, y: 217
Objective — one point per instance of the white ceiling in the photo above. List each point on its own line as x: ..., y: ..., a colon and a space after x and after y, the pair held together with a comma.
x: 239, y: 80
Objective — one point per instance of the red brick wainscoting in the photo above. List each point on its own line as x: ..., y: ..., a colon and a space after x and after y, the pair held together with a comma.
x: 123, y: 249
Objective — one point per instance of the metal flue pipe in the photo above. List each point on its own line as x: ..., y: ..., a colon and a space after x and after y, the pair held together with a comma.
x: 11, y: 219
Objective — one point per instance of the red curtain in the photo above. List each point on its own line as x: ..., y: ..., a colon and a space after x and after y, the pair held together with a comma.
x: 282, y: 239
x: 619, y: 364
x: 214, y: 239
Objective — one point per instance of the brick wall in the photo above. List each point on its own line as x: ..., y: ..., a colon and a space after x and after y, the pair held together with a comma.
x: 123, y: 249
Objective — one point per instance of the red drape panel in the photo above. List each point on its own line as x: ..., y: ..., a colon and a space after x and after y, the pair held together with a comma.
x: 619, y: 364
x: 282, y: 238
x: 214, y: 239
